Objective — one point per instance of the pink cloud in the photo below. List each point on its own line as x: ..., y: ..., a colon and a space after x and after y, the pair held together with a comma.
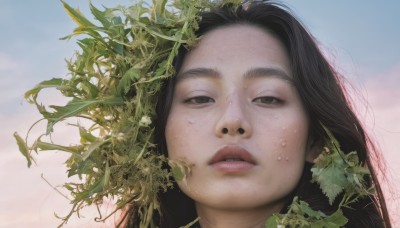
x: 382, y: 118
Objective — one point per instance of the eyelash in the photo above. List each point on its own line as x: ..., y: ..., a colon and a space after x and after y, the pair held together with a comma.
x: 199, y: 100
x: 268, y: 100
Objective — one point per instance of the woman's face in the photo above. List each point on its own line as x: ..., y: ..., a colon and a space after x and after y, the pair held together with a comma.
x: 237, y: 118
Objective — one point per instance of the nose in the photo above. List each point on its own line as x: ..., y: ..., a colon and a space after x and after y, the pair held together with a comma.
x: 233, y: 120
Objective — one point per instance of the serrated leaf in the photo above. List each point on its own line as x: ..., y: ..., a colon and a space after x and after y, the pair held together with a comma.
x: 100, y: 16
x: 108, y: 51
x: 31, y: 95
x: 332, y: 181
x: 76, y: 107
x: 127, y: 80
x: 23, y: 148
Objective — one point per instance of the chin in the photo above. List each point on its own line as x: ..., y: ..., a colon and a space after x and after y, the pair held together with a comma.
x: 240, y: 201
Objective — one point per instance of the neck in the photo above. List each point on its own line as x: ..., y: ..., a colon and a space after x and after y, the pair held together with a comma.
x: 216, y: 218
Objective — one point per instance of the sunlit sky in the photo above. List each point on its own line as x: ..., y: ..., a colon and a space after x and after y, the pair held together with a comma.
x: 361, y: 38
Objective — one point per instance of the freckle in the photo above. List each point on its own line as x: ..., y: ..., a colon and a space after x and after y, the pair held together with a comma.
x: 287, y: 159
x: 190, y: 122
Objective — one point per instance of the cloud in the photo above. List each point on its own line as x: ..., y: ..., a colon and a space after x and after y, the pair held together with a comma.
x: 383, y: 122
x: 30, y: 201
x: 7, y: 63
x: 12, y: 82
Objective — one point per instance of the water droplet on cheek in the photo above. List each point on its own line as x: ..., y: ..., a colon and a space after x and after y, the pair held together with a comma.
x: 283, y: 143
x: 279, y: 158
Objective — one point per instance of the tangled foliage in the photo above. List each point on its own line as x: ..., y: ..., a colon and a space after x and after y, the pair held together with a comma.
x: 336, y: 172
x: 113, y: 82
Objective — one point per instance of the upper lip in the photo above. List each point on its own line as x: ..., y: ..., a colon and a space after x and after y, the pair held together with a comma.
x: 232, y: 151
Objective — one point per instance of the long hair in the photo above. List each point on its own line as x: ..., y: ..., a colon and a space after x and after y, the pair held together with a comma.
x: 322, y: 93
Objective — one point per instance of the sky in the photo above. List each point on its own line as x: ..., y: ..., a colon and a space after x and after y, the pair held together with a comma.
x: 360, y: 38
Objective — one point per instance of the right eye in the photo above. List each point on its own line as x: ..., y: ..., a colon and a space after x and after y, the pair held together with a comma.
x: 199, y: 100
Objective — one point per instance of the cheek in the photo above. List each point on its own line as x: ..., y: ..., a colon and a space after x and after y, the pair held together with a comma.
x: 288, y: 136
x: 174, y: 134
x: 182, y: 134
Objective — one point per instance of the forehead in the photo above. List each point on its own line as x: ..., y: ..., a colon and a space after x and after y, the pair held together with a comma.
x: 237, y: 44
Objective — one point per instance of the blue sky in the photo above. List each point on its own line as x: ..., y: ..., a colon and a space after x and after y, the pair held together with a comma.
x: 361, y: 38
x: 367, y: 31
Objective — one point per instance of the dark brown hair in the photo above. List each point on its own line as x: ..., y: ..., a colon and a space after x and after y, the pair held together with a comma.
x: 322, y: 92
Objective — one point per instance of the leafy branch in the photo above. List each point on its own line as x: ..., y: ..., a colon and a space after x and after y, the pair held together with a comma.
x: 112, y: 85
x: 336, y: 172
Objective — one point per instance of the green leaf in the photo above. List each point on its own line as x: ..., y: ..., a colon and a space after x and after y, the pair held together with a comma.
x: 272, y: 222
x: 31, y: 95
x: 94, y: 146
x: 84, y: 25
x: 159, y: 6
x: 50, y: 146
x: 127, y: 80
x: 77, y: 16
x: 336, y: 220
x: 96, y: 187
x: 23, y: 148
x: 178, y: 173
x: 113, y: 81
x: 310, y: 212
x: 76, y: 107
x: 100, y: 16
x: 332, y: 181
x: 332, y: 139
x: 180, y: 169
x: 86, y: 136
x: 91, y: 90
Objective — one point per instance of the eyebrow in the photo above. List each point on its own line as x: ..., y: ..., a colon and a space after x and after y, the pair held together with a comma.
x: 258, y: 72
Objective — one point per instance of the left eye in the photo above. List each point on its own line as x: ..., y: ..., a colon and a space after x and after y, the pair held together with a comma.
x: 267, y: 100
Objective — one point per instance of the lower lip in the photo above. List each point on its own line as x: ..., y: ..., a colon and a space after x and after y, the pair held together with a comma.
x: 233, y: 166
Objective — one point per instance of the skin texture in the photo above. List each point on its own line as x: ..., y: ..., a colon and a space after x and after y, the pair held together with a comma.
x: 234, y: 93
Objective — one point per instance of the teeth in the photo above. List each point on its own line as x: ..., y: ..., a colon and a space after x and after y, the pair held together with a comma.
x: 232, y: 159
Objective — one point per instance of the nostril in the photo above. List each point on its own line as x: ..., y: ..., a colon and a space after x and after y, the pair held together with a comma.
x: 241, y: 131
x: 224, y: 130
